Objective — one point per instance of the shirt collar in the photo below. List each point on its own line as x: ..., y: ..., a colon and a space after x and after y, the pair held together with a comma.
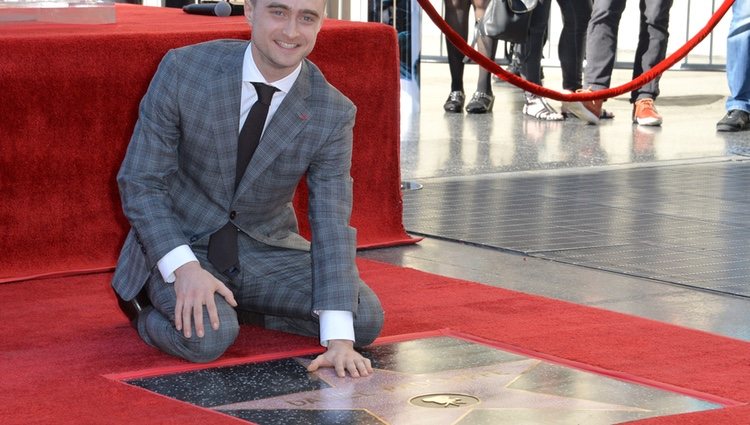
x: 251, y: 74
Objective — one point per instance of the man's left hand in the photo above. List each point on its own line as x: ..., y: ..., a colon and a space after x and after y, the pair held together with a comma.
x: 341, y: 356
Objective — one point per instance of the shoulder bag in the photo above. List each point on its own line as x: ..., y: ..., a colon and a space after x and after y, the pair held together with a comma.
x: 507, y: 20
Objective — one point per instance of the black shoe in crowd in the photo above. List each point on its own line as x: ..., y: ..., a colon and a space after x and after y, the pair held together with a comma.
x: 455, y: 102
x: 734, y: 120
x: 480, y: 103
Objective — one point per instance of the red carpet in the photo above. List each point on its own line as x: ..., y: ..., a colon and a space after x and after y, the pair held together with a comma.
x: 60, y: 336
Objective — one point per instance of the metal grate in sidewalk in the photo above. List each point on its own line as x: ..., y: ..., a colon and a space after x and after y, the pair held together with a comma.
x: 684, y: 224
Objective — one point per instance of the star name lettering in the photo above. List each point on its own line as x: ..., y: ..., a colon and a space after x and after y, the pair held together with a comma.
x: 343, y: 395
x: 431, y: 382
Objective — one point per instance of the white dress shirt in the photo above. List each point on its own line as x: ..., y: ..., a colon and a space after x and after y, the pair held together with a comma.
x: 334, y: 324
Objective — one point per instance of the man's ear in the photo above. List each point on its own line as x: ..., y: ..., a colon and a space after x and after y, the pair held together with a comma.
x: 248, y: 9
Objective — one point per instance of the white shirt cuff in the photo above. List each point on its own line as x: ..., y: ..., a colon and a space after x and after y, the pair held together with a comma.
x: 173, y: 260
x: 336, y: 324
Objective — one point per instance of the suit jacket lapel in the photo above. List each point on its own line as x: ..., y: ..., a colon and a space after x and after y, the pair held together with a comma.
x: 223, y: 111
x: 287, y: 122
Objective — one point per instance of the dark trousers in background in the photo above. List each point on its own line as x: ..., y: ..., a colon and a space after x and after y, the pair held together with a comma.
x: 531, y: 50
x: 571, y: 48
x: 601, y: 43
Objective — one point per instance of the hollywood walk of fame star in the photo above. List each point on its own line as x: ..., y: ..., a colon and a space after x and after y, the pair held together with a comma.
x: 386, y: 394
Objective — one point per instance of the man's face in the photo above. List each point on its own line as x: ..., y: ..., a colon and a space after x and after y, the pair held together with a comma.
x: 283, y: 33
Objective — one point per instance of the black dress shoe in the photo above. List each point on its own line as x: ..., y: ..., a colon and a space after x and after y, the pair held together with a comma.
x: 133, y: 308
x: 734, y: 120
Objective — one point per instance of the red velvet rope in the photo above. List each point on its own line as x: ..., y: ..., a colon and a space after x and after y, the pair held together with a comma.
x: 644, y: 78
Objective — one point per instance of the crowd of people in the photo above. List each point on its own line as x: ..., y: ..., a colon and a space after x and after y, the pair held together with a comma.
x: 587, y: 51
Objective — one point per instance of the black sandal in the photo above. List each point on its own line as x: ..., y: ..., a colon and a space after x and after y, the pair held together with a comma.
x: 455, y: 101
x: 480, y: 103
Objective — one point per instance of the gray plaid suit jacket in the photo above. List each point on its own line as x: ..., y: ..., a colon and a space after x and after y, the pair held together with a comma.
x: 177, y: 179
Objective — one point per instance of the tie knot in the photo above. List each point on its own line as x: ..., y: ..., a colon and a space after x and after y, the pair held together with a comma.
x: 265, y: 92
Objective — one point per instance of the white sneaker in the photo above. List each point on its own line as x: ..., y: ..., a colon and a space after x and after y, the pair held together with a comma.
x: 538, y: 108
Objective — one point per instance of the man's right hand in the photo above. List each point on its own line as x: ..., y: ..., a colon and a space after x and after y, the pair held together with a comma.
x: 195, y: 288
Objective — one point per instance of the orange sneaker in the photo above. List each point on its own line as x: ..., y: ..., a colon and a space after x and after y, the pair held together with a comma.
x: 589, y: 110
x: 644, y: 113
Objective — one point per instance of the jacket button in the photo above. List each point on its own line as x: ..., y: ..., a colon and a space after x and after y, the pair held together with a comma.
x: 232, y: 215
x: 193, y: 239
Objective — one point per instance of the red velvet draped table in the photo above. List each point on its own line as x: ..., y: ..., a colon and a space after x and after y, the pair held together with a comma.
x: 69, y: 99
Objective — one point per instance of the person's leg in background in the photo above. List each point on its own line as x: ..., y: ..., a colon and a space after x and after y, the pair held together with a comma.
x: 652, y: 49
x: 531, y: 64
x: 601, y: 43
x: 571, y: 48
x: 531, y: 50
x: 457, y: 17
x: 738, y: 70
x: 483, y: 98
x: 601, y: 49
